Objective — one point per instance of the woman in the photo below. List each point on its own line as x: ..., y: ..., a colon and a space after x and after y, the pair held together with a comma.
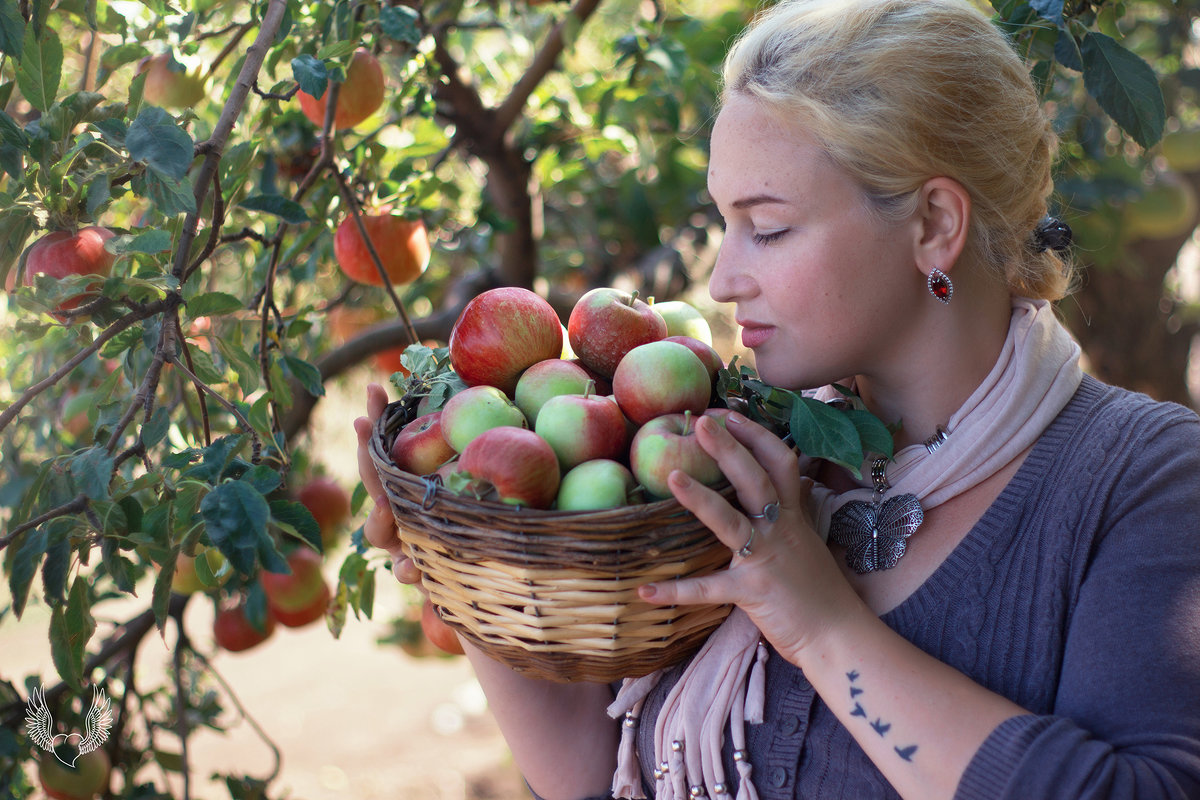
x: 1010, y: 608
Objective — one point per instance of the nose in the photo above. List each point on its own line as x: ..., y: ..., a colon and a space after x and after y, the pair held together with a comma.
x: 730, y: 281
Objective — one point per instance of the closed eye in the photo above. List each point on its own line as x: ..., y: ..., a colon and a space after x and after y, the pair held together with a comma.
x: 768, y: 238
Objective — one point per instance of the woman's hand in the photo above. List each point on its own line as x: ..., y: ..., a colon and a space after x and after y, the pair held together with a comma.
x: 782, y: 575
x: 380, y: 527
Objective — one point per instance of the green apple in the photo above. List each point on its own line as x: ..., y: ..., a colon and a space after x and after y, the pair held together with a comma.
x: 594, y: 485
x: 546, y: 379
x: 665, y: 444
x: 581, y: 427
x: 477, y: 409
x: 86, y: 778
x: 684, y: 319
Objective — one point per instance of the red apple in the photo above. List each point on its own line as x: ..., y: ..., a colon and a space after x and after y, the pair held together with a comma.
x: 170, y: 84
x: 516, y: 461
x: 60, y: 254
x: 306, y: 615
x: 233, y: 631
x: 544, y: 380
x: 668, y: 443
x: 474, y: 410
x: 661, y: 378
x: 501, y: 333
x: 360, y: 95
x: 594, y: 485
x: 441, y: 635
x: 582, y: 427
x: 420, y: 447
x: 329, y: 504
x: 87, y: 778
x: 298, y: 589
x: 707, y: 355
x: 402, y: 246
x: 607, y: 323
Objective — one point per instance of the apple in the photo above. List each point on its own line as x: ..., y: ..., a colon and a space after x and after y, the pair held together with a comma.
x: 707, y: 355
x: 329, y: 504
x: 501, y: 333
x: 519, y: 464
x: 60, y: 254
x: 594, y: 485
x: 439, y: 634
x: 661, y: 378
x: 684, y: 319
x: 170, y: 84
x: 360, y: 95
x: 206, y: 570
x: 665, y: 444
x: 544, y: 380
x: 305, y: 615
x: 401, y: 243
x: 582, y: 427
x: 232, y: 630
x: 298, y: 589
x: 87, y: 778
x: 607, y: 323
x: 474, y: 410
x: 420, y: 447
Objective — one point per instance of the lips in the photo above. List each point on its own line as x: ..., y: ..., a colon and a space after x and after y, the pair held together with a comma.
x: 755, y: 334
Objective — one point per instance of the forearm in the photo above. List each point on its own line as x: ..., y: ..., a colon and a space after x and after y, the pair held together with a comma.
x: 561, y: 737
x: 917, y: 719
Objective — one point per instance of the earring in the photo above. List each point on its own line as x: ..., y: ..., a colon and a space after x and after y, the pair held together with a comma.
x: 940, y: 286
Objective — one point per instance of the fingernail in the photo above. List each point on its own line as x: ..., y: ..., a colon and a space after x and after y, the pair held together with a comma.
x: 680, y: 479
x: 735, y: 418
x: 647, y: 591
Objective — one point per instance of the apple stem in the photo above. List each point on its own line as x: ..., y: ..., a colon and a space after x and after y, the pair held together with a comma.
x: 687, y: 422
x: 589, y: 388
x: 632, y: 298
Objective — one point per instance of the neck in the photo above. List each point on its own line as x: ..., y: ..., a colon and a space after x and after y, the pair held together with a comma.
x: 924, y: 381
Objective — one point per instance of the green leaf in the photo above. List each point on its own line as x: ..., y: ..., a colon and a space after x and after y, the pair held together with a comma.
x: 295, y: 518
x: 12, y: 29
x: 400, y: 23
x: 93, y: 471
x: 25, y: 563
x: 55, y: 570
x: 262, y: 478
x: 71, y: 628
x: 160, y: 597
x: 169, y: 195
x: 213, y: 304
x: 875, y: 436
x: 40, y: 70
x: 11, y: 133
x: 288, y: 210
x: 156, y: 139
x: 821, y: 431
x: 152, y: 241
x: 311, y: 74
x: 1049, y: 9
x: 1125, y: 86
x: 156, y: 429
x: 308, y: 375
x: 236, y: 515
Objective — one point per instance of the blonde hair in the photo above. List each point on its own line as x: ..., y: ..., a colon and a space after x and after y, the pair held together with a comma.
x: 901, y: 91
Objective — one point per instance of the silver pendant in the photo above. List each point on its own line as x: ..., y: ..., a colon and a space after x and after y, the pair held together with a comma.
x: 875, y: 535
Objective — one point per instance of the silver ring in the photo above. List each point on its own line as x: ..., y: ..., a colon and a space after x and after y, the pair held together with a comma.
x: 770, y: 512
x: 744, y: 551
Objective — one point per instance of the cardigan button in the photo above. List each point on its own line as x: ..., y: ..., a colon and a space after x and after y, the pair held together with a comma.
x: 789, y: 725
x: 778, y: 777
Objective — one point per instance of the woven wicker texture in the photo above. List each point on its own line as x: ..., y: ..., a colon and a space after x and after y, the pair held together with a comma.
x: 552, y: 594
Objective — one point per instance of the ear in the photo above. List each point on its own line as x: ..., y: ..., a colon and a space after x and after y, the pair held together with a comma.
x: 943, y: 218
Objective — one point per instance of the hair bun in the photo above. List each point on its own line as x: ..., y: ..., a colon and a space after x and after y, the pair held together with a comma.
x: 1052, y: 234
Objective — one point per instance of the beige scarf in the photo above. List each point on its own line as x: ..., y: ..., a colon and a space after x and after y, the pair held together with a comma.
x: 1035, y: 376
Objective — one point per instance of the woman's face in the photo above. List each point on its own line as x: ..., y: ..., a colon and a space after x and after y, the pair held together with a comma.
x: 821, y: 286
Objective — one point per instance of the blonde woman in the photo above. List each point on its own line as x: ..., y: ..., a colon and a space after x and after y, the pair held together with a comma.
x: 1008, y: 609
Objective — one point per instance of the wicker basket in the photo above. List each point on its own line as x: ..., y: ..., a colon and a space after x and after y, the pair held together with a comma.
x: 552, y: 594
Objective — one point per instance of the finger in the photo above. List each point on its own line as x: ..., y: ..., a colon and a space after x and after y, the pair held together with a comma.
x: 726, y: 522
x: 405, y: 570
x: 364, y: 428
x: 780, y: 461
x: 715, y: 589
x: 377, y: 400
x: 380, y: 527
x: 751, y: 480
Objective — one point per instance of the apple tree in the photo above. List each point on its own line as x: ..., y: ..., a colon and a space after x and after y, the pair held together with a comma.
x: 232, y: 160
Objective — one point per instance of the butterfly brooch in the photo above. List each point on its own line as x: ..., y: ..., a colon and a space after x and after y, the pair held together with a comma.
x: 875, y: 534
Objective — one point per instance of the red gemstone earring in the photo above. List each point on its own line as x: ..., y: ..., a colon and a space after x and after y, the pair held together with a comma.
x: 940, y: 286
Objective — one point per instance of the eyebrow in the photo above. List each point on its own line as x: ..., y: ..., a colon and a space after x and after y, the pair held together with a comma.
x: 756, y: 200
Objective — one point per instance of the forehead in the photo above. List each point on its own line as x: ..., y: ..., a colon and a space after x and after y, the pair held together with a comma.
x: 752, y: 151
